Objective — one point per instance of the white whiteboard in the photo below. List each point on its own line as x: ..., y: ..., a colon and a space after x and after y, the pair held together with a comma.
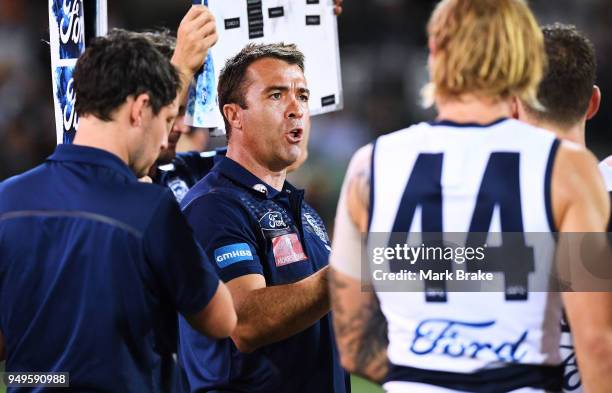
x: 310, y: 24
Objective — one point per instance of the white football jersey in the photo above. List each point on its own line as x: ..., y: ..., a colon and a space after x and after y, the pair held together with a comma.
x: 447, y: 177
x: 606, y: 172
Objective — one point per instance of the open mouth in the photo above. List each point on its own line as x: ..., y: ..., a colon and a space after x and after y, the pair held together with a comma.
x: 295, y: 135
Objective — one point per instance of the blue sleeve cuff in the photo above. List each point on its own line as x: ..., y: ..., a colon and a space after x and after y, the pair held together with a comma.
x: 198, y: 304
x: 230, y: 273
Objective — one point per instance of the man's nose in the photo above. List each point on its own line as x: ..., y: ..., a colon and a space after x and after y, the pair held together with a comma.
x: 295, y: 109
x: 180, y: 126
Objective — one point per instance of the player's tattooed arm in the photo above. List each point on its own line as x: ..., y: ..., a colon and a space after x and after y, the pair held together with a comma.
x: 361, y: 328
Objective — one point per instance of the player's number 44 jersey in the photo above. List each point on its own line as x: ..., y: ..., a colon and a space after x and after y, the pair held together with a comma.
x: 446, y: 177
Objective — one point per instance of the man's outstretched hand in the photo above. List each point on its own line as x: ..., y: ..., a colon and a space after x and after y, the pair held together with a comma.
x: 196, y: 34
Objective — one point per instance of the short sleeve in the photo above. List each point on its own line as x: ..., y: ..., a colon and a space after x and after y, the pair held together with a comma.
x: 225, y: 231
x: 177, y: 260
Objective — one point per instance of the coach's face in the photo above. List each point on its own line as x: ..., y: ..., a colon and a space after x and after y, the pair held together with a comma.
x: 277, y: 115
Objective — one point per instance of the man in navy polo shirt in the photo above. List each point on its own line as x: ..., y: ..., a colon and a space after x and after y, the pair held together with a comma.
x: 181, y: 171
x: 265, y: 242
x: 92, y: 262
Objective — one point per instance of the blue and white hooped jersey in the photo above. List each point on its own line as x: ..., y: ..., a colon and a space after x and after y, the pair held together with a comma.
x: 448, y: 177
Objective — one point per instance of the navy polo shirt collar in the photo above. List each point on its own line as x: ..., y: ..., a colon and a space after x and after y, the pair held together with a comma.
x: 91, y: 155
x: 236, y: 172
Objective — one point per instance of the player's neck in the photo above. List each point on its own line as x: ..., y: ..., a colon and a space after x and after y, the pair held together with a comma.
x: 94, y: 132
x: 574, y: 133
x: 472, y: 109
x: 242, y: 156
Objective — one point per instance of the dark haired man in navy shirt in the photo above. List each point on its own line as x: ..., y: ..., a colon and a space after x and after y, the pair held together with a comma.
x: 93, y: 263
x: 265, y: 242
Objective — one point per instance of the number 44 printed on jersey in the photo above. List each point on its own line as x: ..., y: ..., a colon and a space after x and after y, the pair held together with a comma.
x: 499, y: 190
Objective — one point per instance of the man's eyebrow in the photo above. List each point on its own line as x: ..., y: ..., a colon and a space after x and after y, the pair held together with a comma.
x: 284, y: 88
x: 272, y: 88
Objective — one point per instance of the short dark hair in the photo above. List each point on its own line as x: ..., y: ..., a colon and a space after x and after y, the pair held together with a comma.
x: 120, y: 65
x: 232, y: 81
x: 163, y: 40
x: 567, y: 86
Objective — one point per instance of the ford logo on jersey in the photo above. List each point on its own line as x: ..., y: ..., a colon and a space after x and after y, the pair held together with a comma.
x: 228, y: 255
x: 272, y: 221
x: 448, y: 337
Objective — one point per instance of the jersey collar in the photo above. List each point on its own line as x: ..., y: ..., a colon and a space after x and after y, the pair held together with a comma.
x: 449, y: 123
x: 236, y: 172
x: 92, y: 156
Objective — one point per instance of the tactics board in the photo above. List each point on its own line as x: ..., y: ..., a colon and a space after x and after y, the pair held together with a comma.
x: 310, y: 24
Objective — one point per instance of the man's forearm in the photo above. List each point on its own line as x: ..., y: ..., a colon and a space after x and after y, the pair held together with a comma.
x: 591, y: 323
x: 186, y: 77
x: 360, y: 326
x: 596, y: 366
x: 272, y: 314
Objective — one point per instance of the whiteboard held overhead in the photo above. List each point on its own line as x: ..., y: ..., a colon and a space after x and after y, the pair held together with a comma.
x: 310, y: 24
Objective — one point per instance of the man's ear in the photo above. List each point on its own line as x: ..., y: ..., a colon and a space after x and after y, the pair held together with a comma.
x: 594, y: 103
x: 232, y: 113
x: 520, y: 110
x: 137, y: 110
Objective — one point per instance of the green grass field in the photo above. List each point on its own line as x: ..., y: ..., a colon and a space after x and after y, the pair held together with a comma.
x: 359, y: 385
x: 2, y: 388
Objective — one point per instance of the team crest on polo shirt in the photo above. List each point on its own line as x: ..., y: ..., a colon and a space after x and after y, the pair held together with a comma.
x: 179, y: 188
x: 272, y: 221
x: 287, y: 249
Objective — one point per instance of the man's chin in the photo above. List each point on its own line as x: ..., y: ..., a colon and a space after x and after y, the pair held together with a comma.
x: 289, y: 161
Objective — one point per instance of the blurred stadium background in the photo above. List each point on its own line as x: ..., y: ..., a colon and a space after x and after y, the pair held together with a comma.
x: 383, y: 55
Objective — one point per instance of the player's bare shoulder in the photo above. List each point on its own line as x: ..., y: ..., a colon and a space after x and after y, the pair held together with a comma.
x: 576, y: 179
x: 358, y: 180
